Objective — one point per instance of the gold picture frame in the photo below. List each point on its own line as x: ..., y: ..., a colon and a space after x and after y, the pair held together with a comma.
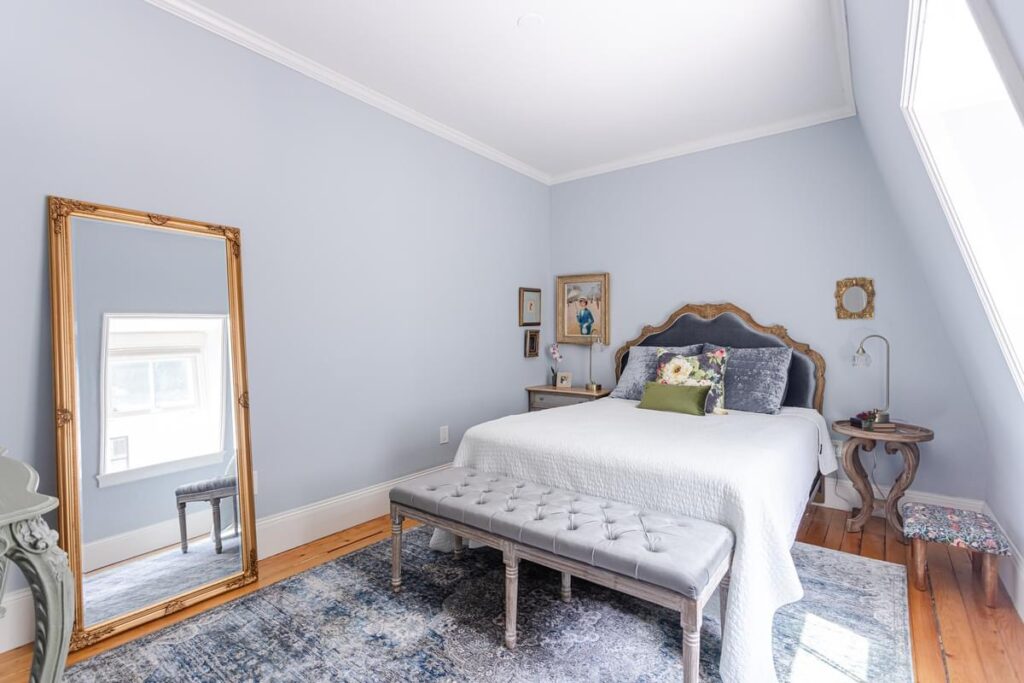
x: 529, y: 307
x: 531, y: 344
x: 576, y: 294
x: 847, y: 290
x: 65, y: 389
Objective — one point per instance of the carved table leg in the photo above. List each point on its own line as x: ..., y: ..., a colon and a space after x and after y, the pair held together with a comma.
x: 911, y: 457
x: 32, y: 545
x: 859, y: 478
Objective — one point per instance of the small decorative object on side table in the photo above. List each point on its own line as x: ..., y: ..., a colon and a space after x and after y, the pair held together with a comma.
x: 543, y: 397
x: 903, y: 439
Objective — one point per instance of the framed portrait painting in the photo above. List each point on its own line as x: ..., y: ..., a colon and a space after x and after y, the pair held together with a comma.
x: 531, y: 345
x: 583, y: 309
x: 529, y: 307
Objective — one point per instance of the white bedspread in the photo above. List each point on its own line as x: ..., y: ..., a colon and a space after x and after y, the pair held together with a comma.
x: 747, y: 471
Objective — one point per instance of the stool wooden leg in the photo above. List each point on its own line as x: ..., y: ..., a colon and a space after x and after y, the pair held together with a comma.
x: 990, y: 577
x: 918, y: 549
x: 690, y: 619
x: 566, y: 592
x: 976, y: 561
x: 511, y: 599
x: 396, y: 551
x: 183, y: 527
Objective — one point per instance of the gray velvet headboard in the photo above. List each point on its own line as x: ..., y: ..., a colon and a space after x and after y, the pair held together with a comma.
x: 730, y: 325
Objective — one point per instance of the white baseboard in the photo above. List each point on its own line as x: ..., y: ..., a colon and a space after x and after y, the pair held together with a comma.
x: 292, y: 528
x: 274, y: 534
x: 840, y: 494
x: 113, y: 549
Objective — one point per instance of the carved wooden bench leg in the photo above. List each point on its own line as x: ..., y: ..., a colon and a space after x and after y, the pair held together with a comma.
x: 457, y: 554
x: 396, y: 550
x: 723, y: 599
x: 918, y: 549
x: 990, y: 577
x: 566, y: 592
x: 182, y: 527
x: 690, y: 619
x: 511, y: 598
x: 215, y: 508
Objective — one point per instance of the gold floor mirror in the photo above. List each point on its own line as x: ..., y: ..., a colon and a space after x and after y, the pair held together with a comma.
x: 152, y: 413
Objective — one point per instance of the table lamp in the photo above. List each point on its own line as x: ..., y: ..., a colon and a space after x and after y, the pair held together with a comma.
x: 861, y: 359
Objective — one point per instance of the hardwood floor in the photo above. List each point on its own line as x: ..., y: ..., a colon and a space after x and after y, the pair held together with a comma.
x: 955, y: 637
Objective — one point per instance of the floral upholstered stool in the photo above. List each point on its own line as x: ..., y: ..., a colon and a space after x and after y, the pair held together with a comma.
x: 960, y: 528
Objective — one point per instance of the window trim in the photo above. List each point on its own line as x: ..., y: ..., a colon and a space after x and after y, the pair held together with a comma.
x: 104, y: 478
x: 1010, y: 73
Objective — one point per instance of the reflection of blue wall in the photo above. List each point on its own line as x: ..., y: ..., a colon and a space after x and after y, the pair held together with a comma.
x: 124, y: 269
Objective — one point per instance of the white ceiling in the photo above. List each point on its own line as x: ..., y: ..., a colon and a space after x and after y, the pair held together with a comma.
x: 562, y: 89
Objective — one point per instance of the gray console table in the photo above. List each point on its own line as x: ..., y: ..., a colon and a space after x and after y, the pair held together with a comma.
x: 27, y: 541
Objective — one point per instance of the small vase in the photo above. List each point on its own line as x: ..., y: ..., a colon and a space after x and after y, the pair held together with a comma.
x: 554, y: 378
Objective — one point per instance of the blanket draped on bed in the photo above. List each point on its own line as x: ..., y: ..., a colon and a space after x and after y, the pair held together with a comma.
x: 748, y: 471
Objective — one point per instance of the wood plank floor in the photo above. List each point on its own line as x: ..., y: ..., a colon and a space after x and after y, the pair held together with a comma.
x: 955, y: 636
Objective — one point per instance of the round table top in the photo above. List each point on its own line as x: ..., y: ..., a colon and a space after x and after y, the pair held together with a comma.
x: 905, y: 433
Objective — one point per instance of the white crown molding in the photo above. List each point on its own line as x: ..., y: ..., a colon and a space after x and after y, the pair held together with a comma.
x: 226, y: 28
x: 193, y: 12
x: 745, y: 135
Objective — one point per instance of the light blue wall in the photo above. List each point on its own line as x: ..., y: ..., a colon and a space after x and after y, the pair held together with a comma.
x: 770, y: 225
x: 877, y: 42
x: 122, y: 269
x: 381, y: 263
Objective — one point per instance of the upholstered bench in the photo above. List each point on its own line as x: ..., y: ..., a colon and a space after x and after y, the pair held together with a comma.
x: 673, y: 561
x: 960, y: 528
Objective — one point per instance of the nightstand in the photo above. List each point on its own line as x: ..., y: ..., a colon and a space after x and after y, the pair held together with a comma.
x: 903, y: 441
x: 543, y: 397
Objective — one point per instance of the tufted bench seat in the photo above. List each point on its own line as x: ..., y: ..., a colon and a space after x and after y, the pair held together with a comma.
x: 673, y: 561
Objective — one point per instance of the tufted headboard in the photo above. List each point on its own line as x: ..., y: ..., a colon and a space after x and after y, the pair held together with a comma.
x: 730, y: 325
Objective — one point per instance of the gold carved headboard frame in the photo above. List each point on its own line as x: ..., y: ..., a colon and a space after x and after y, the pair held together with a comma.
x: 709, y: 312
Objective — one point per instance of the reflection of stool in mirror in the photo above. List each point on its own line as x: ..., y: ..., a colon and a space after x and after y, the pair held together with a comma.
x: 211, y: 490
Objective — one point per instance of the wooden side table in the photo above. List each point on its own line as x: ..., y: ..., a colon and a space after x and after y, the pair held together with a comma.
x: 904, y: 440
x: 542, y: 397
x: 26, y: 540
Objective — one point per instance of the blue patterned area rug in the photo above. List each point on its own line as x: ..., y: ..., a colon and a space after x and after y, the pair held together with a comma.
x: 340, y: 622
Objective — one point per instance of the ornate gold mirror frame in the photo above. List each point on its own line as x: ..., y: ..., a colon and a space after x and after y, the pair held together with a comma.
x: 845, y: 285
x: 61, y: 213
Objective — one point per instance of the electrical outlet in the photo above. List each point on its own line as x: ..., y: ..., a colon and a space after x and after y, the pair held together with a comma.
x: 444, y: 434
x: 837, y: 446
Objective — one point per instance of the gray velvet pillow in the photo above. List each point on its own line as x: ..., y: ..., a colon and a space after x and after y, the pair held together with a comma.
x: 756, y: 379
x: 642, y: 365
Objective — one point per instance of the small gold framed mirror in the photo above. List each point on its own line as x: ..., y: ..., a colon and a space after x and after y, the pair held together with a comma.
x: 855, y: 298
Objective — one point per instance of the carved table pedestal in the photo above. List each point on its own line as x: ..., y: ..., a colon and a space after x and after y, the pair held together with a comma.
x: 28, y: 542
x: 903, y: 441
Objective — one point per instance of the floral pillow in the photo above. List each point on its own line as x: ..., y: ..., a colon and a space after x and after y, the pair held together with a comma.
x: 703, y: 370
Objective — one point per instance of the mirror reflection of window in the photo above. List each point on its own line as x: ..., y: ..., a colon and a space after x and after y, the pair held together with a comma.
x: 165, y: 381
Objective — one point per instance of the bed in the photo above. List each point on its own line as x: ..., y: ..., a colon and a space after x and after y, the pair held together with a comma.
x: 749, y: 471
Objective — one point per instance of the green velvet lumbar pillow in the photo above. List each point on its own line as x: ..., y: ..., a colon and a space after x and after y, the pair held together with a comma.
x: 675, y: 398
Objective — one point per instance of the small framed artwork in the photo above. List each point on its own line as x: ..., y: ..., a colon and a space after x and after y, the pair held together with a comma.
x: 564, y: 380
x: 529, y: 307
x: 531, y: 346
x: 583, y: 309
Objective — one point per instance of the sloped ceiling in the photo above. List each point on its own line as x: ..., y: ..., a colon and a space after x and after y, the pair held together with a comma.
x: 877, y: 31
x: 561, y: 89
